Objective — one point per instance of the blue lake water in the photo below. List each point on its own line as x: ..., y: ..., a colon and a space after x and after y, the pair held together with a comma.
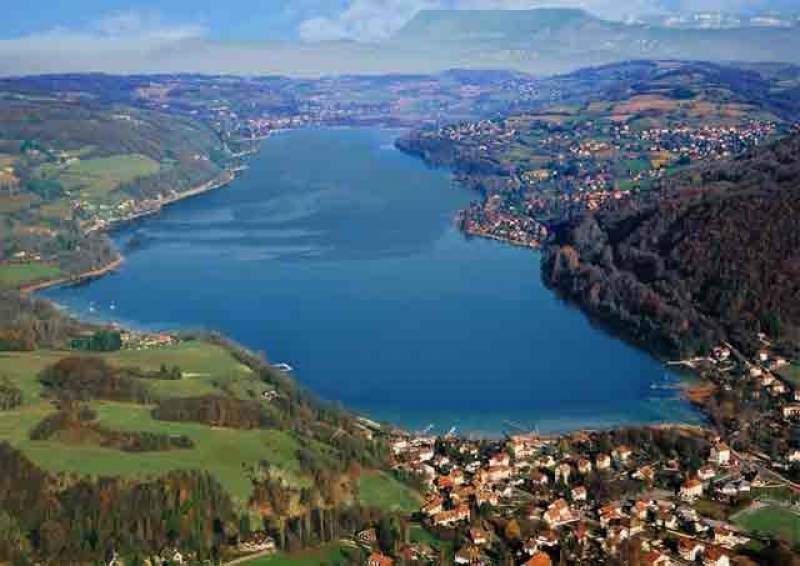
x: 336, y: 253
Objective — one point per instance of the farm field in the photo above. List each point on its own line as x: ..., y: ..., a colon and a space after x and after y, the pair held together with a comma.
x: 16, y: 274
x: 384, y: 492
x: 228, y: 454
x: 96, y: 178
x: 223, y: 452
x: 330, y: 554
x: 780, y: 522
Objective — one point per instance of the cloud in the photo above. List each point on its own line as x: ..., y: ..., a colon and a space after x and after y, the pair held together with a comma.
x: 372, y: 20
x: 364, y: 20
x: 127, y: 26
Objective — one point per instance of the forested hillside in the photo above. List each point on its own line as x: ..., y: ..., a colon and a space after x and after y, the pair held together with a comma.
x: 714, y: 253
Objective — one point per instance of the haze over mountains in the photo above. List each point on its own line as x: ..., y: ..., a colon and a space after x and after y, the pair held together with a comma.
x: 541, y: 41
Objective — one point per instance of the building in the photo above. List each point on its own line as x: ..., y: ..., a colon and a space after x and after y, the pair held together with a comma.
x: 706, y: 473
x: 715, y: 556
x: 602, y: 462
x: 450, y: 518
x: 720, y: 454
x: 379, y: 559
x: 655, y: 558
x: 691, y: 489
x: 689, y: 549
x: 539, y: 559
x: 579, y: 493
x: 469, y: 555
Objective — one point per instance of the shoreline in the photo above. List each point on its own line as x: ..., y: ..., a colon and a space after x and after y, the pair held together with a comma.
x: 226, y: 178
x: 223, y: 180
x: 74, y: 279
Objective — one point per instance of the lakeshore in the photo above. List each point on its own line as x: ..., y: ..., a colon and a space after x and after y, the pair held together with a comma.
x: 322, y: 246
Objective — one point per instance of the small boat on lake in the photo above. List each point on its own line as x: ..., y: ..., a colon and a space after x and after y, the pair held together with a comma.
x: 284, y: 367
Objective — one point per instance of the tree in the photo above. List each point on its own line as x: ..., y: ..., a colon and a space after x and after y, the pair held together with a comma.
x: 14, y: 545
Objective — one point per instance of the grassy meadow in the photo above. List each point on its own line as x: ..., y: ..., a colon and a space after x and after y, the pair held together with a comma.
x: 226, y: 453
x: 780, y: 522
x: 95, y: 178
x: 15, y: 274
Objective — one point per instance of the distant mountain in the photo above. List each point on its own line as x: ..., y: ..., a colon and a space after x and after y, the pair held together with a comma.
x: 494, y: 25
x: 559, y: 39
x: 540, y: 41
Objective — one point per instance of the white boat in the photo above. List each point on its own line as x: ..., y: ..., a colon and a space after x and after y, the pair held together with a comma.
x: 284, y: 367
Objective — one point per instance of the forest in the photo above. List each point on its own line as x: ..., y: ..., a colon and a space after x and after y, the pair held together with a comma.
x: 712, y: 254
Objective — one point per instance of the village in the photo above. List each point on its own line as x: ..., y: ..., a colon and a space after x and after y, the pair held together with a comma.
x: 534, y: 170
x: 652, y: 496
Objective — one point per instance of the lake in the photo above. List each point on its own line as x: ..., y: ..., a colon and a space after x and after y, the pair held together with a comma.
x: 337, y: 254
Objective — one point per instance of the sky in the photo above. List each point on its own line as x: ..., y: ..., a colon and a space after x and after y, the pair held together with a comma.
x: 307, y: 20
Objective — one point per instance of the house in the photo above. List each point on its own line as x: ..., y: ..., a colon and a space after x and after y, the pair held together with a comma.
x: 258, y: 541
x: 546, y: 461
x: 640, y: 509
x: 451, y: 517
x: 609, y: 513
x: 720, y: 454
x: 645, y: 473
x: 791, y: 411
x: 469, y: 555
x: 539, y: 559
x: 793, y: 456
x: 602, y: 462
x: 367, y: 537
x: 478, y: 536
x: 498, y: 473
x: 433, y: 506
x: 579, y: 493
x: 706, y: 473
x: 584, y: 466
x: 621, y: 454
x: 655, y: 558
x: 724, y: 536
x: 539, y: 479
x: 559, y: 513
x: 500, y: 459
x: 689, y: 549
x: 691, y: 489
x: 563, y: 471
x: 547, y: 538
x: 379, y: 559
x: 715, y: 556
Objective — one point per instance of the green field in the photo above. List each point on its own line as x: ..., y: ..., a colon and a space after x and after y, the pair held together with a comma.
x: 95, y: 178
x: 14, y: 275
x: 777, y: 521
x: 791, y: 373
x: 384, y: 492
x: 329, y: 554
x: 222, y: 452
x: 228, y: 454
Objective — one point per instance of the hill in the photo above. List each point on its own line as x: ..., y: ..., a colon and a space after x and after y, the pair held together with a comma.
x: 712, y: 254
x: 70, y: 166
x: 127, y: 443
x: 493, y: 25
x: 540, y: 41
x: 547, y: 40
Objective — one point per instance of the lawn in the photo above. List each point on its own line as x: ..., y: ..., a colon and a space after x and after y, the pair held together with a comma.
x: 791, y: 373
x: 14, y: 275
x: 382, y: 491
x: 778, y: 521
x: 329, y: 554
x: 207, y: 368
x: 95, y: 178
x: 223, y: 452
